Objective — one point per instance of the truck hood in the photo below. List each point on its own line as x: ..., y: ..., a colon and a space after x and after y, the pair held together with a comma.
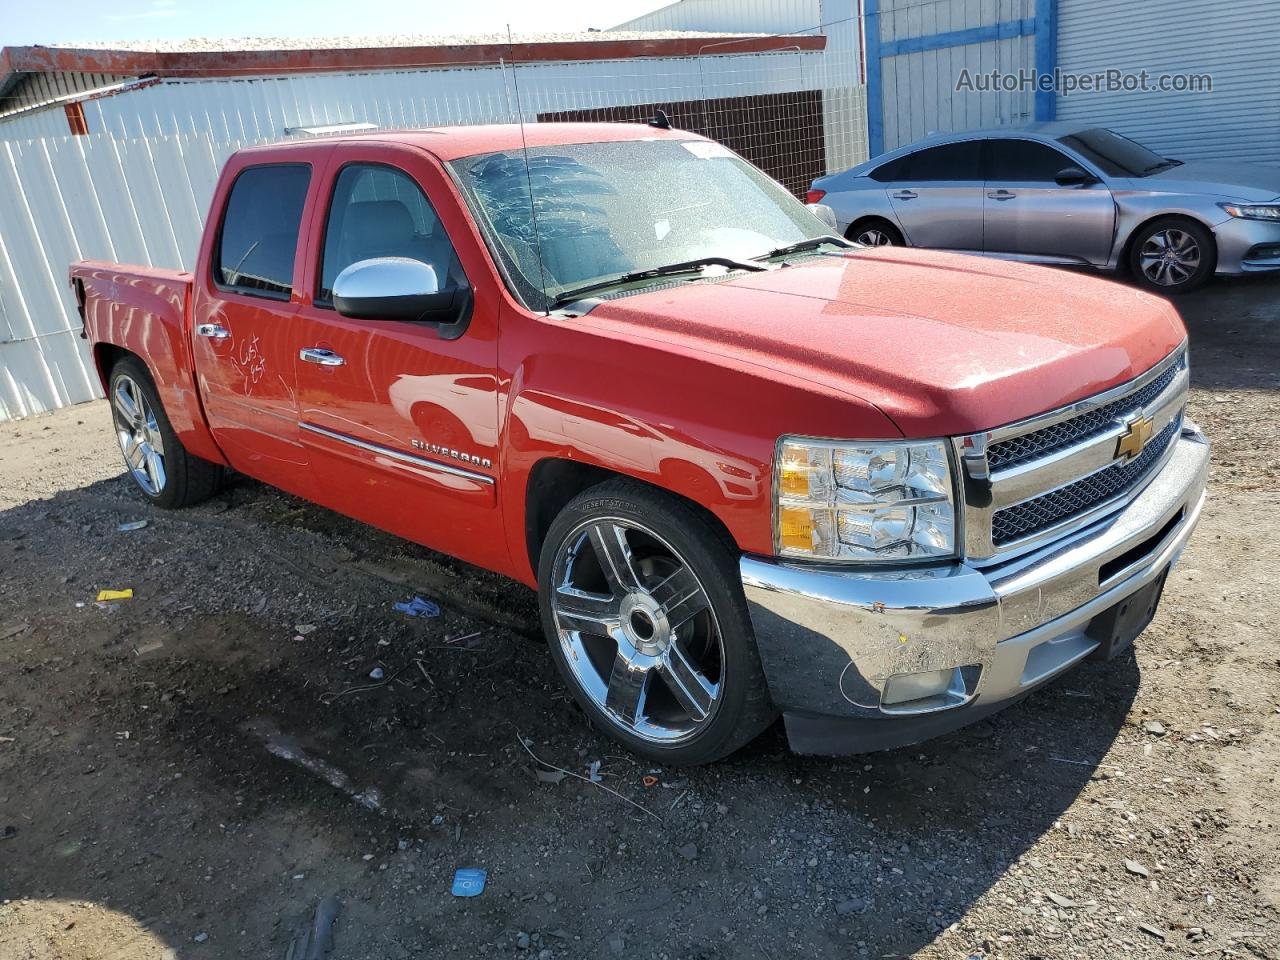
x: 941, y: 343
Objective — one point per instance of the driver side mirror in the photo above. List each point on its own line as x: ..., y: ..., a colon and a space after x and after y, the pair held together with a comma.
x: 397, y: 288
x: 1073, y: 177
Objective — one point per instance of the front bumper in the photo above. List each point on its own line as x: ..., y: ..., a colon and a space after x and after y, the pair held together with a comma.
x: 1247, y: 246
x: 832, y: 639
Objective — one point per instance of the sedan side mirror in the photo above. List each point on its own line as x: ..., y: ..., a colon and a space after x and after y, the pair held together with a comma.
x: 1073, y: 177
x: 397, y: 288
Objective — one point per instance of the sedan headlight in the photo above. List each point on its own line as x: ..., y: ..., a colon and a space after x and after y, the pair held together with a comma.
x: 1253, y: 211
x: 864, y: 501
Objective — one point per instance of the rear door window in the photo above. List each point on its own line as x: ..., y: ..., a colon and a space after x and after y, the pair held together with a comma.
x: 950, y: 161
x: 259, y: 236
x: 1025, y: 161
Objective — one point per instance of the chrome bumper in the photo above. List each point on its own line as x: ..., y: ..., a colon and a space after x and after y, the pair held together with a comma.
x: 831, y: 639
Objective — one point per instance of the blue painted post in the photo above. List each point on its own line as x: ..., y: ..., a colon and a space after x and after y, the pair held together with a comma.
x: 875, y: 93
x: 1046, y: 57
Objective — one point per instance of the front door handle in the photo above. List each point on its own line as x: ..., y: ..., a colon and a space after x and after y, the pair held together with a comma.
x: 905, y: 195
x: 213, y: 331
x: 1001, y: 195
x: 326, y: 358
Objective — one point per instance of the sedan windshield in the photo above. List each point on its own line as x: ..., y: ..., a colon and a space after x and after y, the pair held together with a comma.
x: 1117, y: 156
x: 606, y: 211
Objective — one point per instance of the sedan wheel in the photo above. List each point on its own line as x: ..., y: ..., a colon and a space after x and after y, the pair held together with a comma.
x: 873, y: 237
x: 139, y: 434
x: 1170, y: 257
x: 637, y: 630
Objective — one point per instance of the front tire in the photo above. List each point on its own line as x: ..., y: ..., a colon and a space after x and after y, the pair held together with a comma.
x: 157, y: 462
x: 1172, y: 255
x: 643, y: 609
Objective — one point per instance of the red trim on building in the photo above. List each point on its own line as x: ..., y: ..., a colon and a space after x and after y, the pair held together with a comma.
x: 76, y: 119
x: 239, y: 63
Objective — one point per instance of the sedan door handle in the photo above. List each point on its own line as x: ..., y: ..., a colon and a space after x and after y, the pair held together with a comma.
x: 326, y: 358
x: 212, y: 331
x: 1001, y: 195
x: 905, y: 195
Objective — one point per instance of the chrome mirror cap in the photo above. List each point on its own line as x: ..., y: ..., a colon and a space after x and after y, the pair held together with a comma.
x: 383, y: 277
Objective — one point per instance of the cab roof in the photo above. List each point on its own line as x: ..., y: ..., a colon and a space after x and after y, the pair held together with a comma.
x: 452, y: 143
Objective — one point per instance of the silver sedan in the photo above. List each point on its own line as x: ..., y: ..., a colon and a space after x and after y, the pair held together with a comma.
x: 1064, y: 194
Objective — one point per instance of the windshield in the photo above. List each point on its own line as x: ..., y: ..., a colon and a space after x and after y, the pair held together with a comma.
x: 609, y: 209
x: 1117, y: 156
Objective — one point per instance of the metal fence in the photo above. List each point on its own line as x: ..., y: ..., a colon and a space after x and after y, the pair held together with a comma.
x: 140, y: 194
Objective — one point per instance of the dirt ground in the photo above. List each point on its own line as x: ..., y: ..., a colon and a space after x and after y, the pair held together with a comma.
x: 189, y: 773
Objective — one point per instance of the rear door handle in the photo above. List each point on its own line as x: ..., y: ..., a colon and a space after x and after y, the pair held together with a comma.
x: 1001, y: 195
x: 326, y: 358
x: 905, y: 195
x: 212, y: 331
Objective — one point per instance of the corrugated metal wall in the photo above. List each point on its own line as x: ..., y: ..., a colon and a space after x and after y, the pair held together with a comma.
x: 1238, y: 43
x: 730, y: 16
x: 74, y: 198
x: 925, y: 46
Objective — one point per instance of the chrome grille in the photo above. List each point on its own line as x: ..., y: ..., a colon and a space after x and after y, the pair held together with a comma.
x: 1030, y: 516
x: 1092, y: 423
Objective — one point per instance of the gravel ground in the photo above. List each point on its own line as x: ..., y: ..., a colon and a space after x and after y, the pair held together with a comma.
x: 192, y: 771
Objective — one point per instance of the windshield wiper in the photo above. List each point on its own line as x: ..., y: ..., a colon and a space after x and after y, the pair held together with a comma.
x: 670, y: 269
x: 801, y: 245
x: 1162, y: 165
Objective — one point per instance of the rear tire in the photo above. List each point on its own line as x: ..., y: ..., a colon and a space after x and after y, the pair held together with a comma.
x: 1172, y: 255
x: 643, y: 609
x: 157, y: 462
x: 875, y: 232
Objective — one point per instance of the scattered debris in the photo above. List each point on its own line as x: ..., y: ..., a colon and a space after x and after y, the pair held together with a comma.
x: 150, y: 647
x: 6, y: 739
x: 305, y: 628
x: 850, y: 906
x: 200, y: 937
x: 107, y: 596
x: 689, y: 851
x: 12, y: 630
x: 1154, y: 931
x: 418, y: 607
x: 579, y: 776
x: 1065, y: 902
x: 1154, y: 727
x: 550, y: 776
x: 649, y: 781
x: 469, y: 881
x: 316, y: 941
x: 280, y: 745
x: 1136, y: 868
x: 131, y: 526
x: 593, y: 772
x: 8, y: 832
x: 377, y: 673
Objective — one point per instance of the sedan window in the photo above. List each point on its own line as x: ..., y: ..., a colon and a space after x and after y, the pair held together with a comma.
x: 1025, y: 161
x: 1117, y: 156
x: 950, y: 161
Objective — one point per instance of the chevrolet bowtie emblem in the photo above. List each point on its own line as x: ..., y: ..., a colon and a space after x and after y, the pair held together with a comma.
x: 1134, y: 439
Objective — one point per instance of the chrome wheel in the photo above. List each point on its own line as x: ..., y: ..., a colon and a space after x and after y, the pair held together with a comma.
x: 637, y: 630
x: 1170, y: 257
x: 873, y: 237
x: 139, y: 435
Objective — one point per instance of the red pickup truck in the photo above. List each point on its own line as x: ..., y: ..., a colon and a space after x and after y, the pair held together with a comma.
x: 751, y: 468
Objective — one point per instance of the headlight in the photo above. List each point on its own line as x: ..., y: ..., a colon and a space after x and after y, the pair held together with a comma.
x: 1253, y: 211
x: 864, y: 501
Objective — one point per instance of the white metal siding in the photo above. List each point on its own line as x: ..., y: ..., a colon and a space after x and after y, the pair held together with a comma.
x: 918, y: 89
x: 1236, y: 42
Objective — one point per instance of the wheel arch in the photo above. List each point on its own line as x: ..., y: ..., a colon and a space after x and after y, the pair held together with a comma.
x: 1126, y: 248
x: 859, y: 223
x: 555, y: 481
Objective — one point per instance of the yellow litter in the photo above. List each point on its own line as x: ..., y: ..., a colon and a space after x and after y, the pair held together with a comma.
x: 126, y: 594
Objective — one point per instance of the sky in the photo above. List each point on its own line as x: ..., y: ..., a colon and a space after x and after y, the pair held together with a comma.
x: 66, y: 21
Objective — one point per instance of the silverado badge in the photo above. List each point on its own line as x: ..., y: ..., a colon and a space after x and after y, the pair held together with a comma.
x: 1134, y: 439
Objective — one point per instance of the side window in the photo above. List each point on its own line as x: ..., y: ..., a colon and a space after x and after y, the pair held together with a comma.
x: 1025, y: 161
x: 259, y: 235
x: 379, y: 211
x: 950, y: 161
